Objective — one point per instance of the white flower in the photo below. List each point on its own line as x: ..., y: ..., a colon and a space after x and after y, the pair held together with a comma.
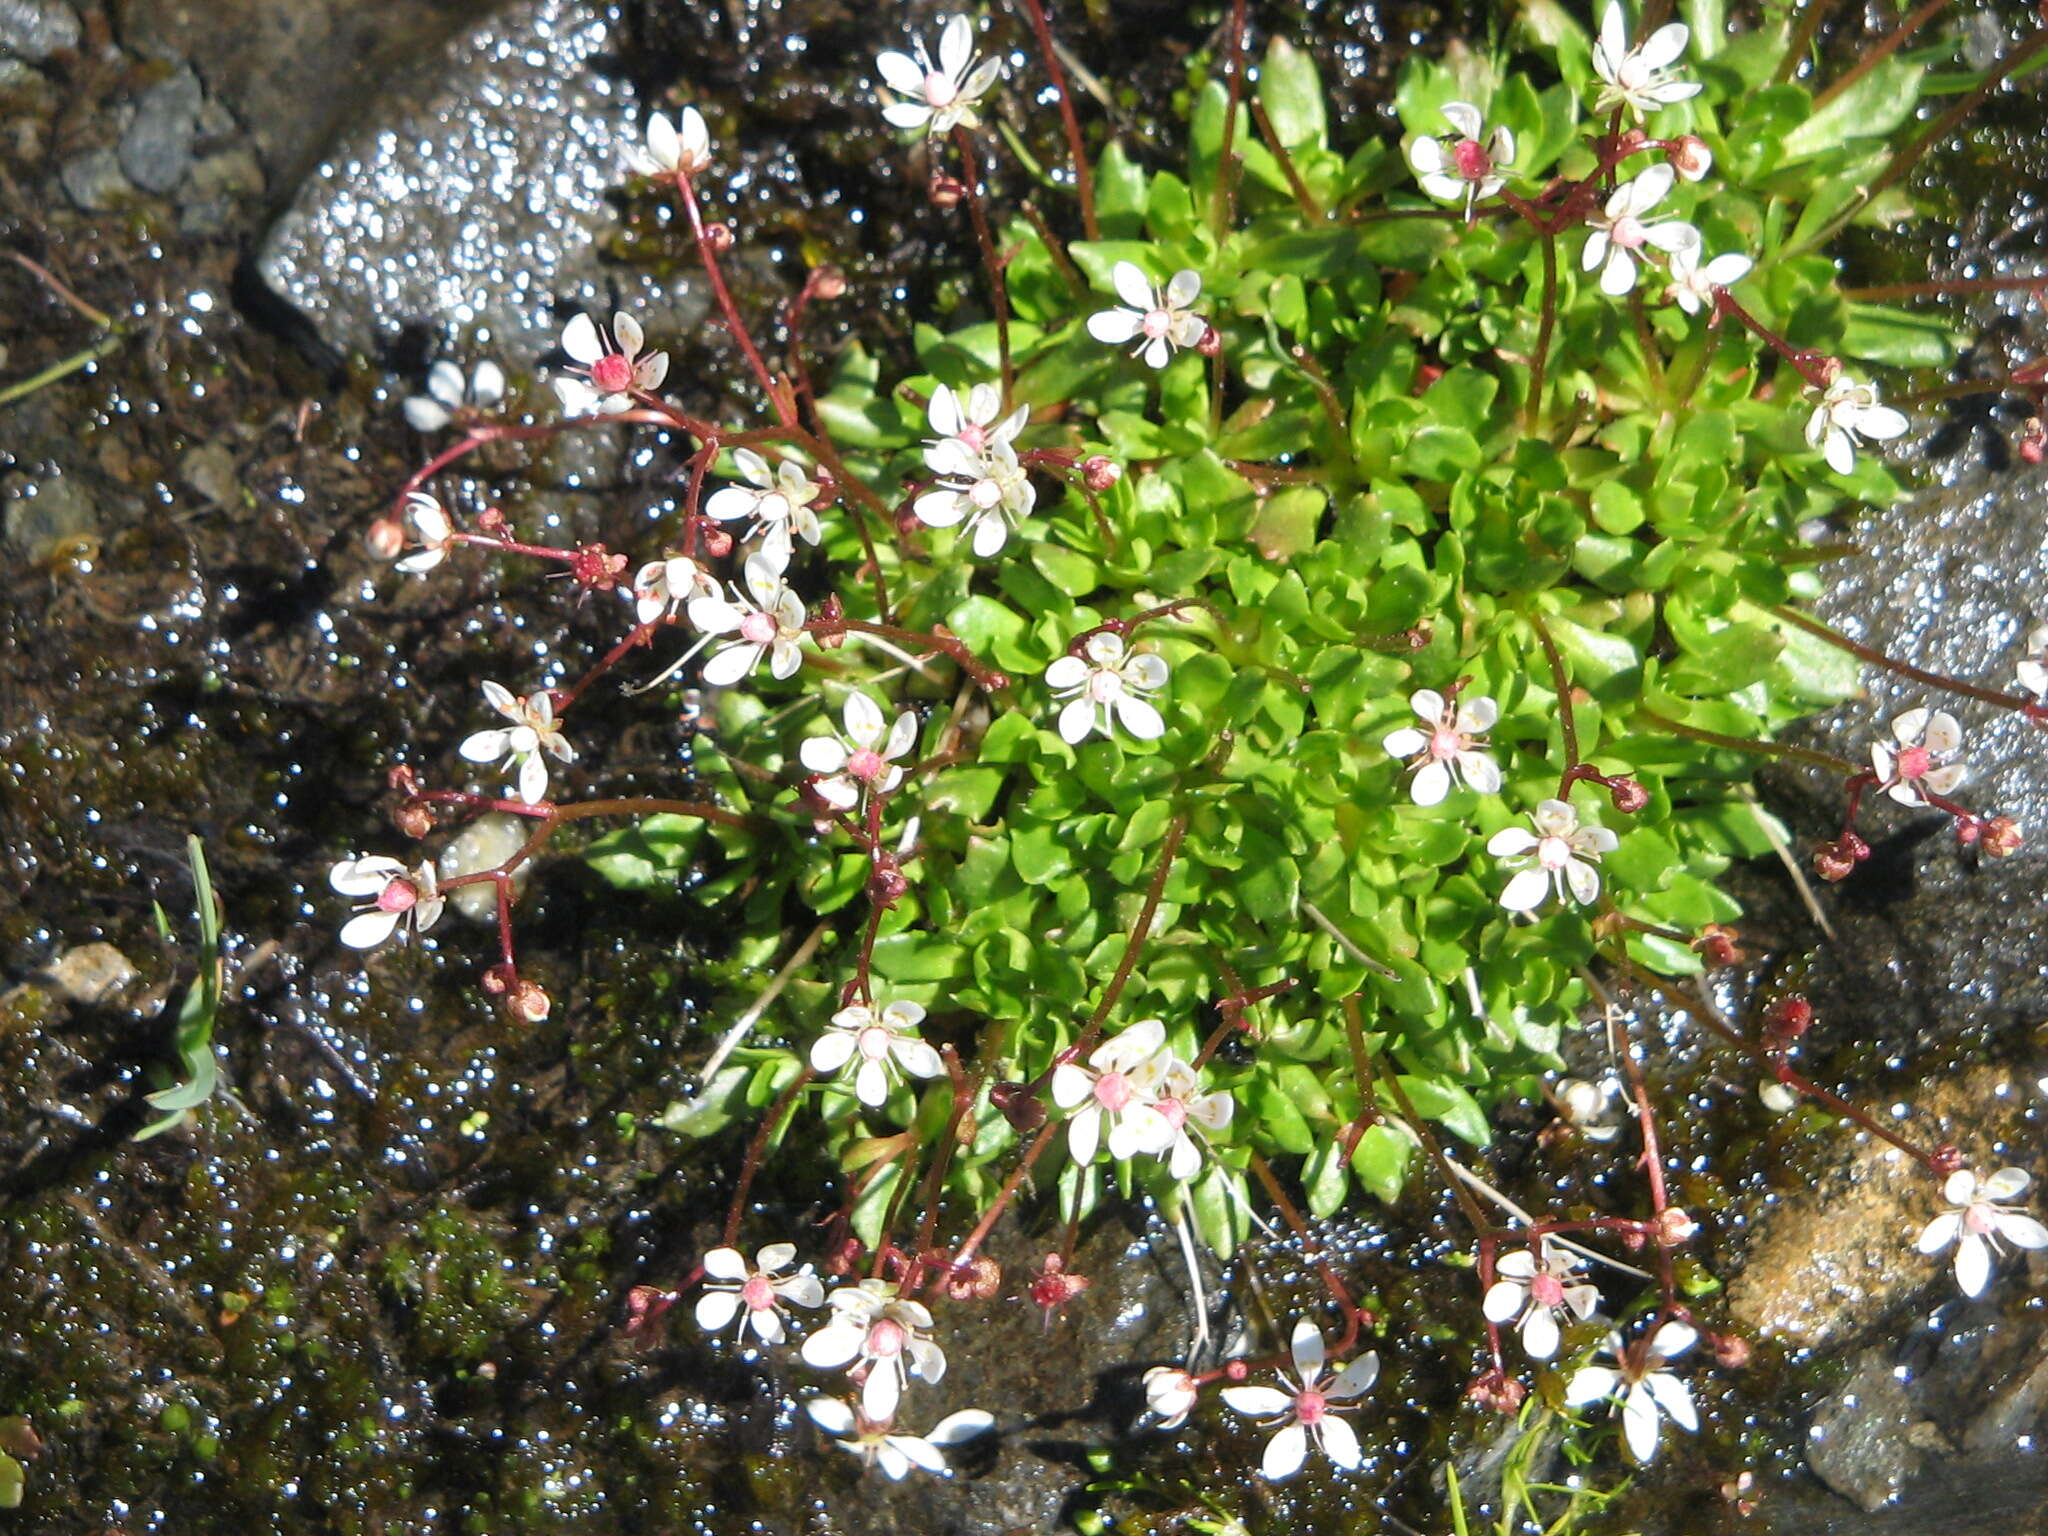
x: 937, y: 98
x: 1116, y: 1086
x: 779, y: 500
x: 448, y: 394
x: 533, y: 732
x: 1693, y: 281
x: 1311, y: 1409
x: 1170, y: 1395
x: 863, y: 759
x: 877, y: 1331
x: 1462, y: 170
x: 1448, y: 750
x: 663, y: 587
x: 877, y: 1446
x: 990, y: 491
x: 607, y: 374
x: 396, y: 895
x: 1559, y: 853
x: 1925, y: 761
x: 2032, y: 669
x: 1979, y: 1222
x: 970, y: 425
x: 1647, y: 1389
x: 1106, y: 689
x: 1620, y: 230
x: 760, y: 1292
x: 1159, y: 319
x: 1175, y: 1092
x: 1848, y: 411
x: 1532, y: 1288
x: 1638, y: 77
x: 886, y: 1044
x: 768, y: 621
x: 673, y: 152
x: 1596, y: 1110
x: 430, y: 525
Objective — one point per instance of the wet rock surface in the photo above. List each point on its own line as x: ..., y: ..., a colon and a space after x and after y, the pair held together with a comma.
x: 384, y: 1288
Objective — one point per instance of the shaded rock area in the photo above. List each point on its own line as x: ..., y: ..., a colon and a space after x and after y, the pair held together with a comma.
x: 383, y: 1287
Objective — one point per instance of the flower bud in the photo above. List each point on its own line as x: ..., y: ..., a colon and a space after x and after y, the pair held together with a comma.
x: 386, y: 538
x: 2002, y: 837
x: 946, y: 191
x: 1052, y: 1288
x: 491, y: 521
x: 1945, y: 1160
x: 2033, y: 441
x: 828, y: 283
x: 528, y: 1002
x: 1019, y: 1105
x: 403, y: 780
x: 1211, y: 342
x: 1100, y: 471
x: 718, y: 238
x: 1690, y: 157
x: 595, y: 568
x: 1717, y: 945
x: 415, y: 818
x: 1831, y: 862
x: 1788, y: 1018
x: 644, y: 1306
x: 717, y: 543
x: 499, y: 979
x: 977, y: 1280
x: 1674, y: 1227
x: 1731, y: 1350
x: 886, y: 881
x: 1497, y: 1390
x: 1628, y: 795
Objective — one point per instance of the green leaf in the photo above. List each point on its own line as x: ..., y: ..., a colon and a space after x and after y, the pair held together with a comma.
x: 1381, y: 1162
x: 1880, y: 334
x: 1292, y: 95
x: 1870, y: 108
x: 1450, y: 1106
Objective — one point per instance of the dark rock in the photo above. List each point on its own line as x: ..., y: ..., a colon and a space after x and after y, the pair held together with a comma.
x: 156, y: 149
x: 95, y: 182
x: 1862, y: 1442
x: 35, y: 29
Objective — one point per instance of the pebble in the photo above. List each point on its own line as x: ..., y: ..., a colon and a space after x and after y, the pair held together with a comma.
x: 95, y: 181
x: 156, y: 149
x: 35, y: 29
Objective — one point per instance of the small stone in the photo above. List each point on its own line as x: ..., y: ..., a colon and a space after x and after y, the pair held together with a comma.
x: 1862, y: 1443
x: 41, y: 515
x: 35, y: 29
x: 156, y: 150
x: 209, y: 472
x: 90, y: 974
x: 95, y: 181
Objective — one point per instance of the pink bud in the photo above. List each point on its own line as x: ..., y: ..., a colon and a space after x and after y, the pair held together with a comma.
x: 717, y: 543
x: 529, y: 1002
x: 1100, y: 471
x: 1211, y: 342
x: 386, y: 538
x: 1690, y: 157
x: 828, y: 283
x: 1628, y: 795
x: 718, y: 238
x: 1946, y: 1159
x: 1674, y: 1227
x: 947, y: 191
x: 2002, y: 837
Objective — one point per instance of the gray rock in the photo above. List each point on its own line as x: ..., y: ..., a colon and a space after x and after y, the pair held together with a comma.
x: 1862, y: 1443
x: 473, y: 195
x: 95, y: 182
x: 156, y: 149
x: 35, y: 29
x: 90, y: 973
x: 41, y: 514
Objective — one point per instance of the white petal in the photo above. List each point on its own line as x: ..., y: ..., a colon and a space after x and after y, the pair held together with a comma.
x: 1114, y: 326
x: 906, y: 114
x: 2020, y: 1229
x: 1940, y: 1232
x: 1305, y: 1344
x: 1405, y: 742
x: 902, y: 73
x: 1539, y: 1334
x: 1464, y: 117
x: 1157, y: 353
x: 1526, y: 891
x: 1671, y: 1395
x: 662, y: 142
x: 628, y: 332
x: 1355, y: 1378
x: 1589, y: 1384
x: 366, y: 930
x: 881, y: 1394
x: 991, y: 533
x: 1340, y: 1442
x: 918, y: 1057
x: 1511, y: 842
x: 831, y: 1347
x: 1880, y: 422
x: 1973, y: 1264
x: 956, y: 46
x: 1432, y: 783
x: 1071, y: 1085
x: 425, y: 415
x: 715, y: 1309
x: 1581, y: 879
x: 1082, y: 1134
x: 730, y: 663
x: 1077, y: 718
x: 1131, y: 286
x: 1673, y: 1339
x: 1285, y: 1453
x: 871, y: 1084
x: 1427, y: 156
x: 725, y: 1264
x: 1639, y: 1422
x: 580, y: 340
x: 1257, y: 1402
x: 2002, y: 1185
x: 964, y: 1425
x: 1504, y: 1299
x: 1139, y: 718
x: 1619, y: 275
x: 365, y: 876
x: 1481, y: 772
x: 822, y: 754
x: 1183, y: 288
x: 485, y: 746
x: 831, y: 1415
x: 1840, y: 452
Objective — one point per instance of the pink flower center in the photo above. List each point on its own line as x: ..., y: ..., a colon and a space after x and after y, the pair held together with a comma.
x: 1446, y: 742
x: 1113, y: 1091
x: 886, y: 1339
x: 1547, y: 1291
x: 398, y: 896
x: 612, y: 373
x: 1104, y: 686
x: 866, y: 764
x: 984, y: 493
x: 757, y: 628
x: 1629, y: 232
x: 1553, y: 853
x: 939, y: 90
x: 1915, y: 762
x: 974, y: 436
x: 1156, y: 323
x: 1311, y: 1407
x: 1173, y: 1112
x: 1471, y: 159
x: 873, y: 1042
x: 1980, y: 1219
x: 758, y: 1293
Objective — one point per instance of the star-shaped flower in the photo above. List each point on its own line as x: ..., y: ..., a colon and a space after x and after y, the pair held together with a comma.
x: 1848, y: 412
x: 521, y: 745
x: 778, y: 500
x: 864, y: 758
x: 1980, y: 1221
x: 1648, y: 1391
x: 1462, y: 169
x: 1639, y: 78
x: 663, y: 588
x: 886, y: 1042
x: 1159, y: 319
x: 432, y: 527
x: 1620, y: 231
x: 607, y: 374
x: 760, y: 1293
x: 767, y: 621
x: 1310, y: 1409
x: 937, y: 98
x: 449, y: 395
x: 1559, y: 854
x: 673, y: 149
x: 1117, y: 1087
x: 1531, y: 1286
x: 882, y: 1334
x: 1175, y: 1089
x: 1447, y: 751
x: 1107, y: 689
x: 894, y: 1453
x: 1693, y: 281
x: 396, y: 895
x: 1170, y: 1395
x: 1924, y: 762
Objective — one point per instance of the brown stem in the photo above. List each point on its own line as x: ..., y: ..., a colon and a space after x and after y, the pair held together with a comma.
x: 1223, y: 205
x: 1802, y: 38
x: 1084, y: 176
x: 777, y: 400
x: 998, y: 285
x: 1567, y: 726
x: 1545, y: 328
x: 1313, y: 1251
x: 1777, y: 749
x: 784, y: 1104
x: 1304, y: 199
x: 1877, y: 658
